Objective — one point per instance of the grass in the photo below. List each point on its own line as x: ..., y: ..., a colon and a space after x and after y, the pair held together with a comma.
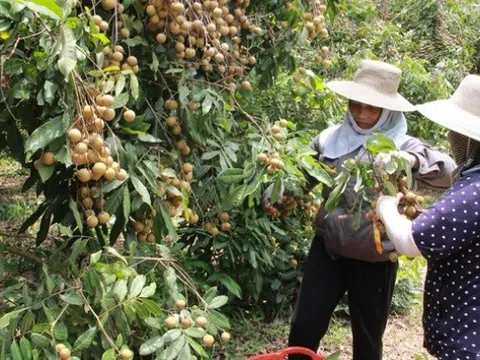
x: 9, y: 167
x: 254, y: 336
x: 14, y: 206
x: 16, y: 209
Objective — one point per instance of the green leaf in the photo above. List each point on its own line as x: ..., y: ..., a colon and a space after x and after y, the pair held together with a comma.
x: 141, y: 189
x: 120, y: 289
x: 164, y: 218
x: 334, y: 356
x: 228, y: 282
x: 173, y: 350
x: 195, y: 332
x: 77, y: 250
x: 68, y: 56
x: 147, y: 138
x: 392, y: 191
x: 171, y: 335
x: 119, y: 341
x: 5, y: 319
x: 154, y: 323
x: 109, y: 355
x: 72, y: 299
x: 277, y: 187
x: 152, y: 307
x: 120, y: 85
x: 219, y: 319
x: 380, y: 143
x: 230, y: 176
x: 73, y: 205
x: 335, y: 195
x: 134, y: 86
x: 114, y: 201
x: 102, y: 37
x: 95, y: 257
x: 197, y: 347
x: 15, y: 351
x: 39, y: 340
x: 45, y: 171
x: 45, y: 134
x: 211, y: 293
x: 60, y: 331
x: 148, y: 290
x: 210, y: 155
x: 44, y: 7
x: 120, y: 100
x: 136, y: 286
x: 115, y: 253
x: 85, y: 340
x: 218, y: 302
x: 150, y: 346
x: 50, y: 89
x: 25, y: 349
x: 185, y: 353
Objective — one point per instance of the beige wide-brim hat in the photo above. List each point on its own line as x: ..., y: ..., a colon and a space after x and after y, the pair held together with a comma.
x: 375, y: 83
x: 460, y: 113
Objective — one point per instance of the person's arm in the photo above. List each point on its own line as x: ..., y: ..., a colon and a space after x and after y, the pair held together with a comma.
x: 431, y: 166
x: 398, y: 227
x: 448, y: 226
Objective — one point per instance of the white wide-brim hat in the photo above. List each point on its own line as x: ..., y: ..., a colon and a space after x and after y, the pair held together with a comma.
x: 460, y: 113
x: 375, y: 83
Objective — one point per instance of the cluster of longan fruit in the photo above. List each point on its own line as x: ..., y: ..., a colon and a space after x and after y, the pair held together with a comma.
x: 88, y: 144
x: 121, y: 17
x: 323, y: 59
x: 92, y: 156
x: 143, y: 227
x: 291, y: 203
x: 206, y: 33
x: 410, y: 204
x: 93, y: 208
x: 279, y: 131
x: 272, y: 161
x: 117, y: 57
x: 185, y: 321
x: 314, y: 21
x: 174, y: 199
x: 213, y: 226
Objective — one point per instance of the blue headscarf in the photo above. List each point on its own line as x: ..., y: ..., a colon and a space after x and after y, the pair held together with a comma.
x: 343, y: 139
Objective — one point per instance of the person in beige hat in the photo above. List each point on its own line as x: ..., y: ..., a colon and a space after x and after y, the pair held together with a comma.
x: 342, y: 257
x: 448, y: 233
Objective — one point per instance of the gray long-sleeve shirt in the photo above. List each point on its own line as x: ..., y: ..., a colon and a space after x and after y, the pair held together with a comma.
x: 337, y: 229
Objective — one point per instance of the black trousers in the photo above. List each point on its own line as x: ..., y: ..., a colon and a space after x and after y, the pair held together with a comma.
x: 370, y: 290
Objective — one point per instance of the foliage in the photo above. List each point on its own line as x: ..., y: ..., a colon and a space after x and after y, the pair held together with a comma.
x: 174, y: 108
x: 109, y: 303
x: 143, y: 132
x: 434, y: 42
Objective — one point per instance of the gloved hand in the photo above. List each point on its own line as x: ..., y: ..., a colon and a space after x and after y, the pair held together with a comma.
x: 387, y: 207
x: 383, y: 159
x: 398, y: 227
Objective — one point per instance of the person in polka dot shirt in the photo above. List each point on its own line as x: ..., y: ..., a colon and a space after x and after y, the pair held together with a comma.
x: 448, y: 233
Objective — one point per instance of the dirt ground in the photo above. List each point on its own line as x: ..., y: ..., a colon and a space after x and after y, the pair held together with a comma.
x: 403, y: 340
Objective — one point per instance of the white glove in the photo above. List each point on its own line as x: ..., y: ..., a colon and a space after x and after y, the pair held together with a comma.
x: 399, y: 228
x: 383, y: 159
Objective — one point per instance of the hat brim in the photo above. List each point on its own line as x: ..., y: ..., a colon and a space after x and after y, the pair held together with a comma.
x: 367, y: 95
x: 447, y: 114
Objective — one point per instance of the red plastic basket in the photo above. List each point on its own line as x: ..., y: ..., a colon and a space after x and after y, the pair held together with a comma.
x: 288, y: 351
